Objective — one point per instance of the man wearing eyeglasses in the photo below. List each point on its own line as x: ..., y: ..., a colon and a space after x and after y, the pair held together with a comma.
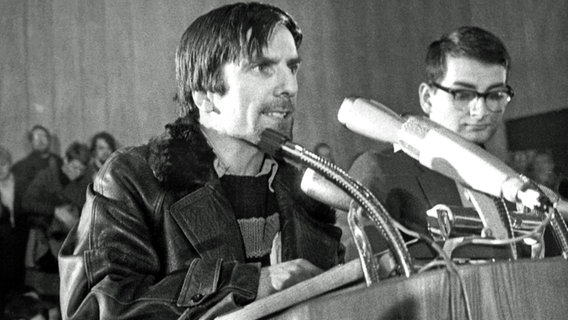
x: 467, y: 92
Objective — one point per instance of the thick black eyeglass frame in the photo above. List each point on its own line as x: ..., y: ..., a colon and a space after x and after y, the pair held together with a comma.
x: 478, y: 94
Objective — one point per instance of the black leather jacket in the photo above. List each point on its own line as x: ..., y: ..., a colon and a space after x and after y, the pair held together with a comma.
x: 145, y: 249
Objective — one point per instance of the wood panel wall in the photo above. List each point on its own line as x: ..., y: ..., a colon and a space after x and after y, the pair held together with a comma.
x: 81, y: 66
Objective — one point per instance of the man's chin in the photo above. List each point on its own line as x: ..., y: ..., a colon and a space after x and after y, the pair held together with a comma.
x: 478, y: 137
x: 285, y: 129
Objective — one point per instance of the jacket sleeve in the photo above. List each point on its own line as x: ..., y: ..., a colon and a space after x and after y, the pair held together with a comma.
x: 112, y: 266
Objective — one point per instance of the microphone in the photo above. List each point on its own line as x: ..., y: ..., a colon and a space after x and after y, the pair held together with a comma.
x: 319, y: 188
x: 441, y: 150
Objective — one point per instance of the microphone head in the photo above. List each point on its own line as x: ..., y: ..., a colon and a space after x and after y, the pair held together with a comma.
x: 271, y: 142
x: 321, y: 189
x: 370, y: 119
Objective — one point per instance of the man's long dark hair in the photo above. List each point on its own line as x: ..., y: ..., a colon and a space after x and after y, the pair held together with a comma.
x: 226, y: 34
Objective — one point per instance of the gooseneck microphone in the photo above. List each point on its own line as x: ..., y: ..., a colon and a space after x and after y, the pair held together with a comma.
x: 279, y: 146
x: 444, y: 151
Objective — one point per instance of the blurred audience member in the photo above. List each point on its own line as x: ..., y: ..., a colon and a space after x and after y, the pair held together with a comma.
x: 103, y: 145
x: 542, y: 169
x: 13, y: 231
x: 6, y: 188
x: 7, y: 226
x: 24, y: 172
x: 520, y: 160
x: 323, y: 150
x: 40, y: 157
x: 54, y: 200
x: 26, y: 307
x: 26, y: 303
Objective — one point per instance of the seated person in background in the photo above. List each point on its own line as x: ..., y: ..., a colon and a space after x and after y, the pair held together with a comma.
x: 323, y: 150
x: 40, y: 157
x: 103, y: 145
x: 24, y: 172
x: 466, y: 92
x: 12, y: 264
x: 26, y: 307
x: 54, y: 200
x: 542, y: 170
x: 27, y: 303
x: 201, y: 221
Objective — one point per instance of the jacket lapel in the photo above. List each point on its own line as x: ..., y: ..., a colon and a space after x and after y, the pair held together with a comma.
x: 207, y: 220
x: 182, y: 160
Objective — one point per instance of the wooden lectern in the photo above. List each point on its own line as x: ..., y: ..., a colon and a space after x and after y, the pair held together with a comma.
x: 522, y: 289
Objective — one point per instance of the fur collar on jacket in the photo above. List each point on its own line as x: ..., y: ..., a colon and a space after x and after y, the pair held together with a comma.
x: 182, y: 161
x: 181, y: 157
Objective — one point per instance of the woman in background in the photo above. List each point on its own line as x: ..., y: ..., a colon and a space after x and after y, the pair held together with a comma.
x: 103, y: 145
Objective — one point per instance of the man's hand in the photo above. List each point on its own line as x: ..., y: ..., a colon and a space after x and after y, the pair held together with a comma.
x: 283, y: 275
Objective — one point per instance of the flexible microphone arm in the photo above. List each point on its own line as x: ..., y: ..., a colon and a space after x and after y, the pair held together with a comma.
x: 321, y: 189
x: 278, y: 145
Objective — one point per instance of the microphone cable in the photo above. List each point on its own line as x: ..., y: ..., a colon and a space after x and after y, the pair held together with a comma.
x: 500, y: 242
x: 447, y: 262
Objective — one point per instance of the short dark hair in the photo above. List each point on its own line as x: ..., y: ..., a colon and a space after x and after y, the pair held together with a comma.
x: 467, y: 41
x: 221, y: 36
x: 38, y: 127
x: 107, y: 137
x: 78, y: 151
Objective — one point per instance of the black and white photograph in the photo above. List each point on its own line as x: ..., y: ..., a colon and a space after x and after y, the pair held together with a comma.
x: 283, y: 159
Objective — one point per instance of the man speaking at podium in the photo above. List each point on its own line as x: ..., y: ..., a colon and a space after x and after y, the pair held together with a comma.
x: 200, y: 221
x: 467, y: 92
